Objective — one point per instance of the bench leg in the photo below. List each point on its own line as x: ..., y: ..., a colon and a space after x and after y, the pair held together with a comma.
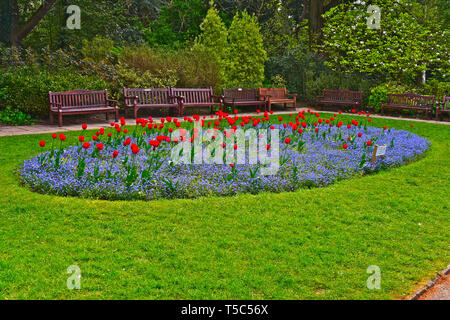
x: 60, y: 121
x: 107, y: 116
x: 437, y: 114
x: 295, y: 103
x: 51, y: 118
x: 117, y: 114
x: 135, y: 112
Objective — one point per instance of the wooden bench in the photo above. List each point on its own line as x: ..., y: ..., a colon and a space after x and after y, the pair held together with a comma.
x: 340, y: 97
x: 149, y: 98
x: 81, y: 102
x: 242, y: 97
x: 277, y: 96
x: 196, y: 98
x: 409, y: 101
x: 443, y: 107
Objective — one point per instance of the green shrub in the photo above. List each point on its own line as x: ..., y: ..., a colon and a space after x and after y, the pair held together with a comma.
x: 29, y: 87
x: 247, y: 54
x: 13, y: 117
x: 97, y: 49
x: 437, y: 88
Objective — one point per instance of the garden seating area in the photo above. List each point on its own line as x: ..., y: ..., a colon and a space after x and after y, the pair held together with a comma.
x: 412, y: 102
x: 81, y: 102
x: 340, y: 98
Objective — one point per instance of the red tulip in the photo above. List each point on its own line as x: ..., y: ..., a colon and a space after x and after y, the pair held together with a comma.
x: 86, y: 145
x: 81, y: 138
x: 268, y: 147
x: 316, y: 130
x: 94, y: 138
x: 54, y: 135
x: 100, y: 146
x: 84, y: 126
x: 412, y: 125
x: 115, y: 154
x: 344, y: 146
x: 384, y: 128
x: 360, y: 134
x: 42, y: 143
x: 287, y: 140
x: 62, y: 137
x: 369, y: 143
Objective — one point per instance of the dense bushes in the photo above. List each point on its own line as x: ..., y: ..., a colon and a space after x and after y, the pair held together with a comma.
x: 28, y: 88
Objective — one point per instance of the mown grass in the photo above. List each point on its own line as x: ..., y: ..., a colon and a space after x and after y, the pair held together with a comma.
x: 309, y: 244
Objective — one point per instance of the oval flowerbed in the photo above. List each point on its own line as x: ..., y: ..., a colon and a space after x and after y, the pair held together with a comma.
x: 118, y: 165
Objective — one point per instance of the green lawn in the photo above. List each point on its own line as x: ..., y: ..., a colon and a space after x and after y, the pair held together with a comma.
x: 268, y: 246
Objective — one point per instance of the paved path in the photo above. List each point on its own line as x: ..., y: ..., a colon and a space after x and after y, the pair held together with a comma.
x: 440, y: 291
x: 73, y: 124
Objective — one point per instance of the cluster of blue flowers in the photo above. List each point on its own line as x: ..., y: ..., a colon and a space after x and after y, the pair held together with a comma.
x: 149, y: 174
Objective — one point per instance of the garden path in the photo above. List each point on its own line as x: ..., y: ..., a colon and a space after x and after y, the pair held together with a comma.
x: 95, y: 123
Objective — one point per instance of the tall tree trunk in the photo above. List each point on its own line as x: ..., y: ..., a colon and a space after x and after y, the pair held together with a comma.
x: 20, y: 31
x: 315, y: 21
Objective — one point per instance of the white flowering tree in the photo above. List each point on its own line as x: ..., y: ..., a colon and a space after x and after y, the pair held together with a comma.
x: 410, y: 40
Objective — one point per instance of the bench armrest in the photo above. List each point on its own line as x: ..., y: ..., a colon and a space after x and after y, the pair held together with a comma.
x: 291, y: 94
x: 179, y: 98
x: 115, y: 102
x: 56, y: 104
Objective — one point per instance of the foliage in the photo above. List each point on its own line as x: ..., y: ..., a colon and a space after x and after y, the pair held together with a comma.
x: 97, y: 49
x: 410, y: 41
x: 213, y: 40
x: 178, y: 22
x: 161, y: 68
x: 278, y: 81
x: 29, y: 87
x: 14, y: 117
x: 307, y: 74
x: 247, y: 54
x: 439, y: 89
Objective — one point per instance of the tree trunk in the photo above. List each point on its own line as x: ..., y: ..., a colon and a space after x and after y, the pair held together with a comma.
x: 19, y: 32
x: 315, y: 22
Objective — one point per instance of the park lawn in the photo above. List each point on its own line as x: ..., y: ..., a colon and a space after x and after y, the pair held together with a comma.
x: 309, y: 244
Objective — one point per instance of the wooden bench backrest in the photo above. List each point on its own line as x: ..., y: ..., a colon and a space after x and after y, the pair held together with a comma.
x: 342, y: 95
x: 272, y: 92
x: 193, y: 96
x: 148, y: 96
x: 79, y: 98
x: 410, y: 99
x: 240, y: 94
x: 446, y: 103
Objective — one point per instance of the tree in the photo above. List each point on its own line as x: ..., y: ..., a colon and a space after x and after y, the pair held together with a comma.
x: 178, y: 22
x: 213, y: 38
x: 20, y: 19
x: 246, y: 55
x: 409, y: 41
